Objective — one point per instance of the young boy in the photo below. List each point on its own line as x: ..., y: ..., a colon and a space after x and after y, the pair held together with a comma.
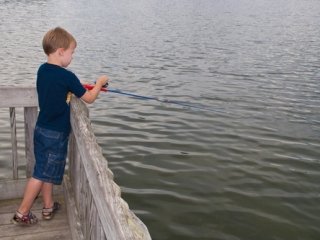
x: 52, y: 129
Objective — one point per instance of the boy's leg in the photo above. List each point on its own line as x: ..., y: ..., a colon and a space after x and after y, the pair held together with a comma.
x: 50, y: 207
x: 31, y: 191
x: 46, y: 190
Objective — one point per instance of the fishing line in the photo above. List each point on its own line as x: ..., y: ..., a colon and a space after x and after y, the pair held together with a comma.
x: 162, y: 100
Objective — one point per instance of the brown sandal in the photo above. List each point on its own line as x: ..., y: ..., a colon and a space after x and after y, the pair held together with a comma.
x: 47, y: 213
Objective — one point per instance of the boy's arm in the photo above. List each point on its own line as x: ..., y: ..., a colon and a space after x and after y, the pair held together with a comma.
x: 91, y: 95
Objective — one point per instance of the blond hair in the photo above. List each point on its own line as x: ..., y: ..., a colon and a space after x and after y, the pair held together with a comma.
x: 57, y: 38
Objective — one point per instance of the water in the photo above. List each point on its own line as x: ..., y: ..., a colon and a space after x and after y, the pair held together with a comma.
x: 248, y: 171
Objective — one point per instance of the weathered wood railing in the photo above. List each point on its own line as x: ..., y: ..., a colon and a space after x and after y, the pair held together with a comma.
x: 102, y: 211
x: 21, y: 97
x: 94, y: 204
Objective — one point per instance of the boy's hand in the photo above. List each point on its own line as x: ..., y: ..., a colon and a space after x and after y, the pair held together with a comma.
x: 93, y: 91
x: 103, y: 81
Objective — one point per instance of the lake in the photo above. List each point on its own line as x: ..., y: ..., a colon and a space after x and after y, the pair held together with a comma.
x: 245, y: 168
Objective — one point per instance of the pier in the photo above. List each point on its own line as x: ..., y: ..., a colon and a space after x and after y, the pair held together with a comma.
x: 92, y: 207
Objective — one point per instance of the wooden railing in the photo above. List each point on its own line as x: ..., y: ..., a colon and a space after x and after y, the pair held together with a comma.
x: 13, y: 97
x: 102, y: 212
x: 94, y: 204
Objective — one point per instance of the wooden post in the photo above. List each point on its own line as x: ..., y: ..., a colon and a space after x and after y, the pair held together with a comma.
x: 30, y: 117
x: 14, y: 142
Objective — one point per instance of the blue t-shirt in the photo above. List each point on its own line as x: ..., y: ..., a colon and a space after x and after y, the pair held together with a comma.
x: 53, y: 84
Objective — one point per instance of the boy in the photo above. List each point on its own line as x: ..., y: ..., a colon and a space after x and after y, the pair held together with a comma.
x: 52, y: 129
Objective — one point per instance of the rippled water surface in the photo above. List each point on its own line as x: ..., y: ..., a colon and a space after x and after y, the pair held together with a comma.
x: 248, y: 169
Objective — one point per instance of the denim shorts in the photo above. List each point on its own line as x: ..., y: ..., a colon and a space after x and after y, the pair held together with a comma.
x: 50, y: 151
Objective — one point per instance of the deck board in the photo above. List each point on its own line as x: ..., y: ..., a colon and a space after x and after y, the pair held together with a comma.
x: 56, y: 228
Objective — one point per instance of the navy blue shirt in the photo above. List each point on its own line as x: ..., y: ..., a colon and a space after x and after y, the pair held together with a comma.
x: 53, y: 84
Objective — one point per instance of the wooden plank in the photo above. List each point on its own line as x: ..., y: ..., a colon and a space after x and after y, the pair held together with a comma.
x: 82, y: 201
x: 60, y: 234
x: 12, y: 189
x: 43, y: 226
x: 57, y: 228
x: 18, y: 96
x: 74, y: 167
x: 13, y: 126
x: 11, y: 205
x: 5, y: 218
x: 72, y: 211
x: 30, y: 118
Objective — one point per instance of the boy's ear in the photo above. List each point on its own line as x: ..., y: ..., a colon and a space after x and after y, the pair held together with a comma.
x: 60, y: 51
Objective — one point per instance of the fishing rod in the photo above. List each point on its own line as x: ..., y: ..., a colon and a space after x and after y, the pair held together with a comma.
x: 105, y: 88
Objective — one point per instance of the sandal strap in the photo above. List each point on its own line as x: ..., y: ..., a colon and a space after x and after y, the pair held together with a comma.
x: 20, y: 215
x: 29, y: 218
x: 47, y: 210
x: 55, y: 207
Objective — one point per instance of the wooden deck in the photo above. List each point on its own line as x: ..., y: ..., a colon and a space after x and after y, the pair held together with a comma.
x: 93, y: 207
x: 56, y: 228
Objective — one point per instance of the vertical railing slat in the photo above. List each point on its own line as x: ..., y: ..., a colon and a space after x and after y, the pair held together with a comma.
x: 13, y: 126
x: 30, y: 117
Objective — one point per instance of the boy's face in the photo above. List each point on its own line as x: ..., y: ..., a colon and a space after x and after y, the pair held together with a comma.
x: 66, y: 55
